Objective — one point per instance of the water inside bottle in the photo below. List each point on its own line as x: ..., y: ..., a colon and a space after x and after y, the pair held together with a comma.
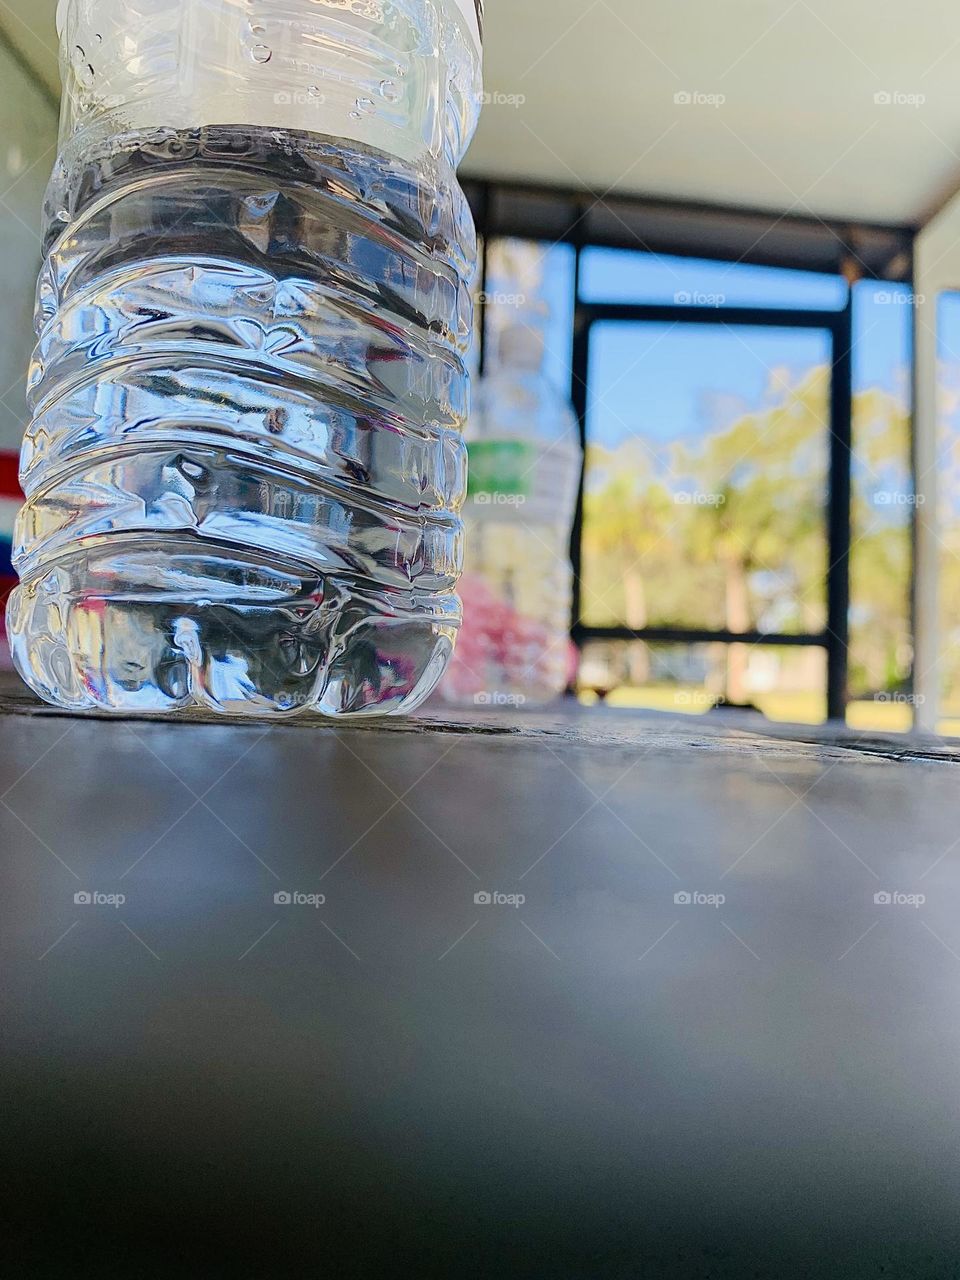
x: 245, y: 466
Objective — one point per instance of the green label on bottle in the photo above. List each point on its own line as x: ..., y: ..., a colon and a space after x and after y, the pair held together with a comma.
x: 501, y: 469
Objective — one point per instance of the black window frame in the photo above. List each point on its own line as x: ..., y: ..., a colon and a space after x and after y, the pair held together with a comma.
x: 856, y: 251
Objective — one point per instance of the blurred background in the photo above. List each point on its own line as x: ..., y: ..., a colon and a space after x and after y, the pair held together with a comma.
x: 739, y: 223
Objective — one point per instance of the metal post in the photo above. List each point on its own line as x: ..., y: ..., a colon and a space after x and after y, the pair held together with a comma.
x: 838, y: 574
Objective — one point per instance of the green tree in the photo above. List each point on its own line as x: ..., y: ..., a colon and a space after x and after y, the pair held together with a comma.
x: 731, y: 531
x: 758, y: 506
x: 881, y: 551
x: 628, y: 520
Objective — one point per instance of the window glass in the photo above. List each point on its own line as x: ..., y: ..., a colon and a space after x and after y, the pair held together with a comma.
x: 880, y: 653
x: 948, y: 484
x: 783, y: 682
x: 706, y: 479
x: 28, y: 136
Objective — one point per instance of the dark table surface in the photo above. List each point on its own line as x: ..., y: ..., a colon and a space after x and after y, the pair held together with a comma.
x: 600, y: 1080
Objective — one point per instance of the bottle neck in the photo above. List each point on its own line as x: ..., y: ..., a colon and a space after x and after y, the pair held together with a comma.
x: 407, y: 83
x: 522, y: 348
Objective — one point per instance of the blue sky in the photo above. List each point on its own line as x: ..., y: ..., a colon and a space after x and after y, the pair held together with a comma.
x: 668, y: 382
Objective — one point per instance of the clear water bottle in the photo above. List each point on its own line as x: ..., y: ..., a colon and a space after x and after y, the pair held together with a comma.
x: 245, y: 463
x: 525, y: 464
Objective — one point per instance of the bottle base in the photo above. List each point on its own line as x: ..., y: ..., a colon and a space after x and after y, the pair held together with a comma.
x: 133, y: 633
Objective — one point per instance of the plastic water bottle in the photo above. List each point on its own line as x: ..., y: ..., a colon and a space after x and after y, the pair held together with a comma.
x: 245, y: 463
x: 525, y: 464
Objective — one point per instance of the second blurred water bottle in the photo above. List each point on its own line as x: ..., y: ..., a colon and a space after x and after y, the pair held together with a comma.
x: 525, y: 463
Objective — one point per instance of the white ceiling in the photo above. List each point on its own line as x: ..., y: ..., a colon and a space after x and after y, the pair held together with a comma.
x: 799, y: 127
x: 29, y: 25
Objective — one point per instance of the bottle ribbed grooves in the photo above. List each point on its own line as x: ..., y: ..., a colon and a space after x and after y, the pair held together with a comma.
x: 305, y: 413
